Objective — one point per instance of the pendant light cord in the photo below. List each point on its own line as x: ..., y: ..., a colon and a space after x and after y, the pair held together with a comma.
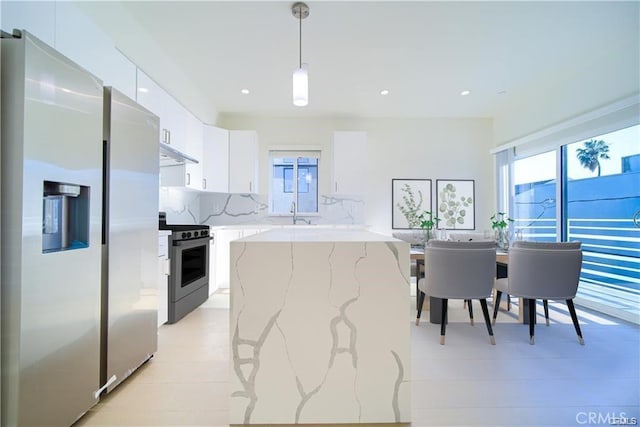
x: 300, y: 16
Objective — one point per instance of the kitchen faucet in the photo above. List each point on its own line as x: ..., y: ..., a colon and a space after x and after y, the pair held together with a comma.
x: 295, y: 217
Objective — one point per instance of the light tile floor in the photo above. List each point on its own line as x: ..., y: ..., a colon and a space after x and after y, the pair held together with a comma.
x: 466, y: 382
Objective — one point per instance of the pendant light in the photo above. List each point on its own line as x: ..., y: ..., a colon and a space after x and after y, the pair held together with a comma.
x: 300, y: 74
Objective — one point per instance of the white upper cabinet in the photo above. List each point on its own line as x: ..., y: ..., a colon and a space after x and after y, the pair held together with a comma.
x: 173, y: 116
x: 215, y: 159
x: 152, y: 97
x: 39, y: 18
x: 194, y: 138
x: 178, y: 128
x: 187, y: 175
x: 243, y: 161
x: 176, y: 121
x: 78, y: 38
x: 349, y: 162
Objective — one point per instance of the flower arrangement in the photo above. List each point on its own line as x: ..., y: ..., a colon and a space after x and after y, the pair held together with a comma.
x: 500, y: 222
x: 427, y: 222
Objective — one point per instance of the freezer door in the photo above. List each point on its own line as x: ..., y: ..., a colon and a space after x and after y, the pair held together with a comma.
x: 51, y: 132
x: 130, y: 310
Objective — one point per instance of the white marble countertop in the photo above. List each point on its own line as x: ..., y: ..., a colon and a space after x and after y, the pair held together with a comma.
x: 267, y: 226
x: 315, y: 234
x: 320, y: 328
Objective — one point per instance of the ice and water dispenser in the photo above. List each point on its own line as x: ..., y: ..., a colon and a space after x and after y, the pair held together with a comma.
x: 65, y: 217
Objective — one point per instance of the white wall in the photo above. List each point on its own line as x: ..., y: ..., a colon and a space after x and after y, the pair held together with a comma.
x: 397, y: 148
x: 613, y: 74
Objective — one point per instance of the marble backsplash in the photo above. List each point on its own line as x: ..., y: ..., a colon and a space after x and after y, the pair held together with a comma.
x: 185, y: 206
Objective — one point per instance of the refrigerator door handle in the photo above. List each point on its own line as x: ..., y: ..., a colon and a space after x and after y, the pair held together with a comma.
x: 110, y: 381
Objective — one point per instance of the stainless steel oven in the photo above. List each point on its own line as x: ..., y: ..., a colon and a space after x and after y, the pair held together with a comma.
x: 189, y: 273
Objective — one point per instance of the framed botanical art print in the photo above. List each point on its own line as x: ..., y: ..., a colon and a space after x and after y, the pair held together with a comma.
x: 409, y: 197
x: 455, y: 201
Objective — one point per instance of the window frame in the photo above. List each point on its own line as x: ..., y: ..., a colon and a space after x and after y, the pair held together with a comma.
x: 296, y: 154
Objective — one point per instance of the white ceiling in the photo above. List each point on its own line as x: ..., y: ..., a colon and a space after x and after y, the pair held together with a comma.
x: 425, y: 53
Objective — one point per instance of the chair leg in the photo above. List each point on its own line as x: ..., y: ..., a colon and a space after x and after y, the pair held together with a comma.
x: 470, y: 311
x: 532, y: 320
x: 545, y: 303
x: 443, y: 320
x: 508, y: 302
x: 420, y: 302
x: 574, y: 317
x: 485, y: 312
x: 496, y: 305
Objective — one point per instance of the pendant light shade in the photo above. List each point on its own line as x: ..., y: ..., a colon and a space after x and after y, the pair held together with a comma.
x: 300, y: 74
x: 301, y: 86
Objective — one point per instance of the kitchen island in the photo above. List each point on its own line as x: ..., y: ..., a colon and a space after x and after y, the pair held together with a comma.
x: 319, y: 328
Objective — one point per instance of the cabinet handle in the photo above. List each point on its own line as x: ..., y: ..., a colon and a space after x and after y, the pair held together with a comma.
x: 167, y: 267
x: 188, y: 179
x: 166, y: 136
x: 336, y: 186
x: 250, y: 187
x: 204, y: 183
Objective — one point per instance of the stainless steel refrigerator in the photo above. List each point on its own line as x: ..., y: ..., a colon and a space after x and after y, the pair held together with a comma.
x: 68, y: 313
x: 130, y: 257
x: 51, y: 235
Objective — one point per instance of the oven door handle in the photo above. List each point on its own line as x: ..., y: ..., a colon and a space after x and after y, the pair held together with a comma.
x: 193, y: 242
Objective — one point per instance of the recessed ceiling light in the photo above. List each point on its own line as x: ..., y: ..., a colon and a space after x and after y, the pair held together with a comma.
x: 245, y: 91
x: 465, y: 92
x: 143, y: 89
x: 384, y: 92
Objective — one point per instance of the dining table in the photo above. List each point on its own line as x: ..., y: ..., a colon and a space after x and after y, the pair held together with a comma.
x: 502, y: 263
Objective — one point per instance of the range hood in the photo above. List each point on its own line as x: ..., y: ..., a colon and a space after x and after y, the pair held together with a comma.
x: 169, y: 156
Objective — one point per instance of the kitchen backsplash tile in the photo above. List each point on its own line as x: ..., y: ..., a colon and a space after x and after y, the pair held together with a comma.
x: 229, y: 209
x: 182, y: 206
x: 190, y: 207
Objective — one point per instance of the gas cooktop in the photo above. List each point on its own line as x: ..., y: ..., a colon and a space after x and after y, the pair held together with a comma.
x: 183, y: 231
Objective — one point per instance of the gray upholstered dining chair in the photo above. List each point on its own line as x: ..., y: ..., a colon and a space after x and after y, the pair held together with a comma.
x: 546, y: 271
x: 458, y: 270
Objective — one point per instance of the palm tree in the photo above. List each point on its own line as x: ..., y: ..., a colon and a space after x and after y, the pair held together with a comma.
x: 591, y: 154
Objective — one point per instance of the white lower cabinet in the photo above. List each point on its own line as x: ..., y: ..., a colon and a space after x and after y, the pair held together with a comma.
x: 213, y: 283
x: 163, y: 277
x: 223, y: 238
x: 221, y: 255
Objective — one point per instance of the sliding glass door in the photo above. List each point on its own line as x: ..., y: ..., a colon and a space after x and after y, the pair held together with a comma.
x: 534, y: 197
x: 587, y: 191
x: 601, y: 198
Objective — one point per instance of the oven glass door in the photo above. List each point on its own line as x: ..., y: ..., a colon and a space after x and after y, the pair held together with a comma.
x: 189, y: 267
x: 194, y: 264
